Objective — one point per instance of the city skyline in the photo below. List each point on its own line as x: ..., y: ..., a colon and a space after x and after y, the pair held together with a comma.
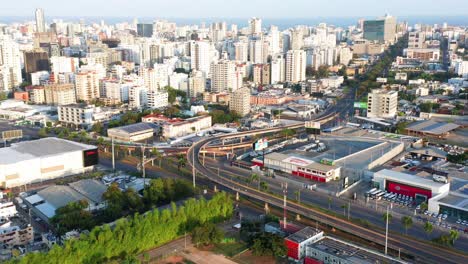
x: 274, y: 9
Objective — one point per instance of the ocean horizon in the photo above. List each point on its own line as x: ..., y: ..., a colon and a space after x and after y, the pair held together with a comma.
x: 282, y: 23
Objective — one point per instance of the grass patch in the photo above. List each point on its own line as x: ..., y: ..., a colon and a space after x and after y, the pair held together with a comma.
x: 230, y: 249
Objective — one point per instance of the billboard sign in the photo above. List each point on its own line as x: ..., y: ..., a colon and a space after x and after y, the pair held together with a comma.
x: 361, y: 105
x: 12, y: 134
x: 312, y: 124
x: 90, y: 157
x: 260, y: 144
x: 326, y: 161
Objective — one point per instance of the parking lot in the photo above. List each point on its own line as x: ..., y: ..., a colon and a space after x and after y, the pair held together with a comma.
x: 406, y: 205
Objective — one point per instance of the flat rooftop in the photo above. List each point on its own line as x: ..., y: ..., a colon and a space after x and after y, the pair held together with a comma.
x: 304, y: 234
x: 456, y: 201
x: 27, y: 150
x: 135, y: 128
x: 352, y: 253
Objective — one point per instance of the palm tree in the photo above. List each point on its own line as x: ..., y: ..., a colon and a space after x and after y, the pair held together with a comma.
x: 386, y: 216
x: 454, y: 235
x: 407, y: 221
x: 428, y: 227
x: 298, y: 195
x: 181, y: 161
x: 155, y: 152
x: 344, y: 206
x: 423, y: 206
x: 255, y: 177
x: 264, y: 186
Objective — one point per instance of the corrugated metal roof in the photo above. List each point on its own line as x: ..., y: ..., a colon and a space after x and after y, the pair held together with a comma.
x: 90, y: 188
x: 432, y: 127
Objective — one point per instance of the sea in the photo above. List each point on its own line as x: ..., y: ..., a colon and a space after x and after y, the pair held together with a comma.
x: 283, y: 23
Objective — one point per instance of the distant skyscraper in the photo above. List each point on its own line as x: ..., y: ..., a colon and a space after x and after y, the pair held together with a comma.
x: 145, y: 30
x: 382, y: 29
x: 40, y: 21
x: 255, y: 25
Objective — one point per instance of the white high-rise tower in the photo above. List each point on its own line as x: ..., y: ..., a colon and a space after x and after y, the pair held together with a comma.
x: 40, y: 21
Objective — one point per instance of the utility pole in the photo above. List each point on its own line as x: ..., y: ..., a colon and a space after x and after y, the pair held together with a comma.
x: 349, y: 210
x: 143, y: 165
x: 285, y: 196
x: 113, y: 155
x: 193, y: 169
x: 386, y: 231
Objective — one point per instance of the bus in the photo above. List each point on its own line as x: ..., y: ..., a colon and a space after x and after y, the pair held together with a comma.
x: 374, y: 193
x: 371, y: 190
x: 379, y: 195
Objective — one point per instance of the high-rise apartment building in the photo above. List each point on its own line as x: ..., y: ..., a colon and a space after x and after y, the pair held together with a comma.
x: 10, y: 64
x: 297, y: 39
x: 255, y: 25
x: 382, y: 29
x: 157, y: 99
x: 36, y: 60
x: 240, y: 101
x: 145, y: 30
x: 241, y: 51
x: 60, y: 94
x: 277, y: 69
x: 196, y: 84
x: 40, y: 20
x: 87, y: 86
x: 295, y: 66
x: 224, y: 76
x: 382, y: 103
x: 261, y: 74
x: 200, y: 56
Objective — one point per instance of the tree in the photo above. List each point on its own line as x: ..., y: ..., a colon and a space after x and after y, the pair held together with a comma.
x: 255, y: 178
x: 407, y: 222
x: 428, y: 228
x: 171, y: 111
x: 42, y: 132
x: 386, y: 216
x: 454, y: 235
x: 207, y: 235
x: 73, y: 216
x: 115, y: 200
x: 181, y: 161
x: 322, y: 71
x: 264, y: 186
x: 423, y: 206
x: 155, y: 152
x: 267, y: 244
x: 287, y: 132
x: 98, y: 128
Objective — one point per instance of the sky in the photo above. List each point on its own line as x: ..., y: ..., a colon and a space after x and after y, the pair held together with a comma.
x: 272, y: 9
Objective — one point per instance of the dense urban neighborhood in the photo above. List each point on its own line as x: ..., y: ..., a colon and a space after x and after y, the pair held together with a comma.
x: 159, y: 141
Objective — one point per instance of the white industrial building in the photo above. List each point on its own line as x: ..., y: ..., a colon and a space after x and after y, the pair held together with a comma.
x: 44, y: 159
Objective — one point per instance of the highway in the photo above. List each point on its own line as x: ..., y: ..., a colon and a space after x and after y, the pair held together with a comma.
x: 426, y: 253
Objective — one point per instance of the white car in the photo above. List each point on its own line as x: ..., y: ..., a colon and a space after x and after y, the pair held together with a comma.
x: 459, y: 221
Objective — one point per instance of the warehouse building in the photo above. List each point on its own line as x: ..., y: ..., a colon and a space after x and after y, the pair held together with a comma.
x: 134, y: 132
x: 44, y: 159
x: 45, y: 202
x: 296, y: 243
x: 431, y: 128
x: 301, y: 166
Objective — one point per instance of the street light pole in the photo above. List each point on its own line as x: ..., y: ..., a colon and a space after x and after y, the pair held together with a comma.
x: 386, y: 231
x: 193, y: 169
x: 113, y: 155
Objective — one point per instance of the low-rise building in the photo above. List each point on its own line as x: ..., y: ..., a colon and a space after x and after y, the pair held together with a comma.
x: 7, y: 210
x: 16, y: 236
x: 134, y: 132
x: 46, y: 201
x: 176, y: 127
x: 297, y: 243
